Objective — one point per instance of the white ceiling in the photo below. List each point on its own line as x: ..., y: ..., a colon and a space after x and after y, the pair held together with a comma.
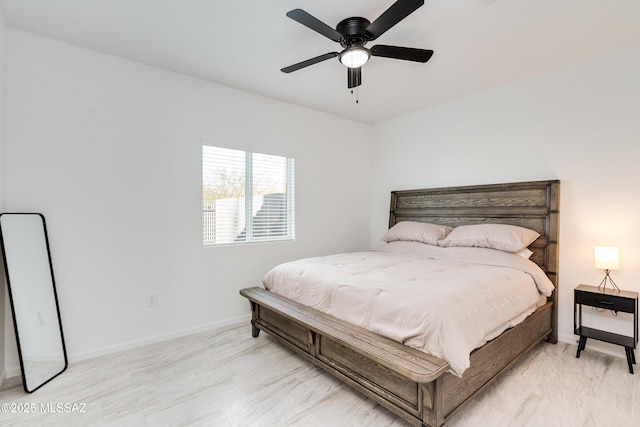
x: 478, y: 44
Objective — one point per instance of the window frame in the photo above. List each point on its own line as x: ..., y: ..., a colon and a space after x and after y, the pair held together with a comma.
x: 248, y: 193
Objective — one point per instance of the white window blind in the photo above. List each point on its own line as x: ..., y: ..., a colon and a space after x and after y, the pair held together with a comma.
x: 246, y: 196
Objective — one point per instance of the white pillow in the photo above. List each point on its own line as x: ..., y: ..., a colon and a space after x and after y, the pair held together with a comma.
x: 413, y: 231
x: 503, y: 237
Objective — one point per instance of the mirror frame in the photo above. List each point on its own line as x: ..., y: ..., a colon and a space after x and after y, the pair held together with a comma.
x: 16, y: 323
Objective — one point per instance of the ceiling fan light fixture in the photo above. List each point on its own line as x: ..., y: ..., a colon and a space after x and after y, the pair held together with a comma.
x: 354, y: 57
x: 352, y: 34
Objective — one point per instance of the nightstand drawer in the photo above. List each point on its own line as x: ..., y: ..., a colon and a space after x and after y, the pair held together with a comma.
x: 606, y: 301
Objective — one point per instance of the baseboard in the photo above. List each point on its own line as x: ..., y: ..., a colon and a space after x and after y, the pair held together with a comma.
x: 595, y: 345
x: 158, y: 338
x: 12, y: 371
x: 602, y: 347
x: 76, y: 357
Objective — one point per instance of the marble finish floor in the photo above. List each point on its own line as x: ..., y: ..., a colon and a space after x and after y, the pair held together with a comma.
x: 227, y: 378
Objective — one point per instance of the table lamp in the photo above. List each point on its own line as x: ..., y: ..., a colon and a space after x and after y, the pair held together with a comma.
x: 607, y: 259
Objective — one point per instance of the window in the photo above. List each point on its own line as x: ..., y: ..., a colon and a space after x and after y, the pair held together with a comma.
x: 246, y: 196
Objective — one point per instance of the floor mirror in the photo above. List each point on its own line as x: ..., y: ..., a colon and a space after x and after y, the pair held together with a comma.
x: 32, y: 293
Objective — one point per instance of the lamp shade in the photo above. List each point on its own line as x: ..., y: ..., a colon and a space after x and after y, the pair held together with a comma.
x: 607, y: 258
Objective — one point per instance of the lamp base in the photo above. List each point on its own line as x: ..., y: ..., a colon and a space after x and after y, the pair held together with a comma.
x: 607, y: 277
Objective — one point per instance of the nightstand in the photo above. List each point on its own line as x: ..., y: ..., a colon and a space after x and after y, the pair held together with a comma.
x: 608, y: 299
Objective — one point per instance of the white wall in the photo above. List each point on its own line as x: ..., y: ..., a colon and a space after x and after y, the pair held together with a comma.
x: 109, y: 150
x: 579, y: 125
x: 2, y: 186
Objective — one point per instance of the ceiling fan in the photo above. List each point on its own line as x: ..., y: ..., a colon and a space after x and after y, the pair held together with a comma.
x: 354, y: 33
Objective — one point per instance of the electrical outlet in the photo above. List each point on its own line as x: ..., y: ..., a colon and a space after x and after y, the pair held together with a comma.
x: 152, y: 300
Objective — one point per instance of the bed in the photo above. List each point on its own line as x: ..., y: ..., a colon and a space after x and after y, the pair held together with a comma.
x: 420, y: 387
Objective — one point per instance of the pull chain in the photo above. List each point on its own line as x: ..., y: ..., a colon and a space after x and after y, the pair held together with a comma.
x: 357, y: 95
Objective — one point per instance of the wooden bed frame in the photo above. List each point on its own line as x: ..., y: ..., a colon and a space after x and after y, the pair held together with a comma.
x: 408, y: 382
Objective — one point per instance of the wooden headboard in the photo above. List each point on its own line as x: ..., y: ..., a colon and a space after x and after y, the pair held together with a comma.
x: 533, y: 205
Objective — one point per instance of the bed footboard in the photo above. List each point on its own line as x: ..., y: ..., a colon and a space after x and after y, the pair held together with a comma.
x: 404, y: 380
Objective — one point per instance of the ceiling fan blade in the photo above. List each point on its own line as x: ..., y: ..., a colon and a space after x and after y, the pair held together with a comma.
x: 397, y: 52
x: 354, y: 77
x: 299, y: 65
x: 396, y: 13
x: 314, y: 23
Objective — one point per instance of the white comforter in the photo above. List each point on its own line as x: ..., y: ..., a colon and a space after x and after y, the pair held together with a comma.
x: 443, y: 301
